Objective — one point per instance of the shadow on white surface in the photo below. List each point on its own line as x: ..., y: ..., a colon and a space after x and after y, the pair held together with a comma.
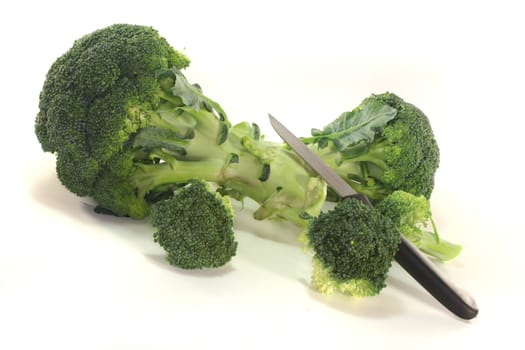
x: 382, y: 306
x: 268, y: 251
x: 159, y: 260
x: 410, y: 289
x: 48, y: 191
x: 278, y: 231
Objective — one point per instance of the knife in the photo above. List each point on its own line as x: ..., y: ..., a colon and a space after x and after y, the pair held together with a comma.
x: 458, y: 301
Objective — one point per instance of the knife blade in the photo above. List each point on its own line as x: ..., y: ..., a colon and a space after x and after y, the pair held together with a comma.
x: 408, y: 256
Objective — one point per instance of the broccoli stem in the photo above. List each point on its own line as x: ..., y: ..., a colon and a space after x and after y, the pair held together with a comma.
x: 363, y: 169
x: 178, y: 147
x: 439, y: 249
x: 150, y: 176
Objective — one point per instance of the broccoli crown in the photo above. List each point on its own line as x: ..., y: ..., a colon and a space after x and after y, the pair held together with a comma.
x: 97, y: 94
x: 354, y: 246
x: 410, y: 150
x: 195, y: 227
x: 412, y: 215
x: 384, y: 144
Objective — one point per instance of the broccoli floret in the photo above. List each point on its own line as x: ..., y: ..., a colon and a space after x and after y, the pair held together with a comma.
x: 384, y: 144
x: 195, y: 227
x: 412, y: 215
x: 354, y: 246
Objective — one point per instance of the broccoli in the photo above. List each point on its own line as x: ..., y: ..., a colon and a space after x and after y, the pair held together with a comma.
x: 128, y: 130
x: 384, y: 144
x: 195, y: 226
x: 354, y: 246
x: 412, y: 215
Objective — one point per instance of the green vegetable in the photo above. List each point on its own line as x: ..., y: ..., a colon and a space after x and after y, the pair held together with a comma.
x: 130, y: 131
x: 412, y: 215
x: 353, y: 246
x: 96, y: 96
x: 195, y: 226
x: 383, y: 145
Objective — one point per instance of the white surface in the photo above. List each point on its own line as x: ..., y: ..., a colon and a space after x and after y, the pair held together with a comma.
x: 70, y: 279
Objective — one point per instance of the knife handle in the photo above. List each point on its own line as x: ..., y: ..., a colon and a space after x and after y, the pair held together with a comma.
x: 422, y: 270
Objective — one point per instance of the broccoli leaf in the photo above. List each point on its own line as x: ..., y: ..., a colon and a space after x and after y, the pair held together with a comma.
x: 358, y: 125
x: 192, y: 96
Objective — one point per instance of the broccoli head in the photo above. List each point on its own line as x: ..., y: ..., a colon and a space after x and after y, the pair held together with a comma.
x: 354, y: 246
x: 195, y: 226
x: 97, y: 95
x: 384, y: 144
x: 412, y: 215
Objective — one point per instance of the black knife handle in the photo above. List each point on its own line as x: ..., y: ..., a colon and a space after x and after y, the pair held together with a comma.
x: 422, y: 270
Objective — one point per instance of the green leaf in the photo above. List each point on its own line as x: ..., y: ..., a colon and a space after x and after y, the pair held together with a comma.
x: 359, y: 125
x: 151, y: 138
x: 193, y: 97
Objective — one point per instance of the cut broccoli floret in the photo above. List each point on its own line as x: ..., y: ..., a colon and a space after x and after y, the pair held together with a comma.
x: 412, y: 215
x: 195, y: 227
x: 384, y: 144
x: 354, y: 246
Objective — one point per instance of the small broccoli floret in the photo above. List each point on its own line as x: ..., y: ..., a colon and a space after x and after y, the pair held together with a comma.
x: 412, y: 215
x: 195, y: 227
x: 383, y: 145
x: 354, y: 246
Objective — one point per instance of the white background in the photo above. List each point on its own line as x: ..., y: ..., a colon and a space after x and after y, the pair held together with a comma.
x: 70, y: 279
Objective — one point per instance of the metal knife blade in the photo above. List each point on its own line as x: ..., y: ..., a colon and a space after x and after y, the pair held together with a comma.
x: 408, y: 256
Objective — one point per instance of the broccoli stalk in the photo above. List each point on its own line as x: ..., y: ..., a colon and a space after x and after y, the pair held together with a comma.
x: 189, y: 136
